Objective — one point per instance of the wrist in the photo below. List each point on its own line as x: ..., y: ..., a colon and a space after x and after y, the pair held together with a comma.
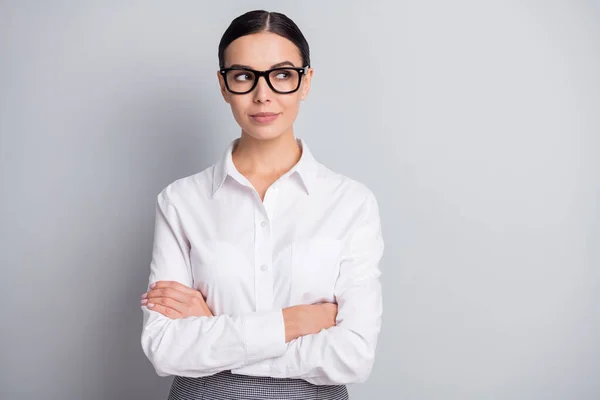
x: 292, y: 322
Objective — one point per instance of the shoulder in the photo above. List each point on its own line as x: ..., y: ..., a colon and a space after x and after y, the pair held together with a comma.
x: 188, y: 188
x: 348, y: 190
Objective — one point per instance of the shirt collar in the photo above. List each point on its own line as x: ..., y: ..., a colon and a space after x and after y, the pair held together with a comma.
x: 305, y: 168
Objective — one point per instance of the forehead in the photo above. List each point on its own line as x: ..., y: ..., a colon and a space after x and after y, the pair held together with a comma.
x: 261, y: 50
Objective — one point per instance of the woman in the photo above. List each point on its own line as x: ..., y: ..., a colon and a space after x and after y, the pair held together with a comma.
x: 264, y: 280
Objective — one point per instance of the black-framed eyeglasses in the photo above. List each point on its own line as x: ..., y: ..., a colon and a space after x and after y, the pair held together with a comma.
x: 282, y: 80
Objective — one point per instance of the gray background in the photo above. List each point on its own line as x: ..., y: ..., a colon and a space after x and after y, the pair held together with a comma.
x: 475, y: 123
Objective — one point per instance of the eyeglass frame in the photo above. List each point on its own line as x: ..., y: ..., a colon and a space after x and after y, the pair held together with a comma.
x: 301, y: 71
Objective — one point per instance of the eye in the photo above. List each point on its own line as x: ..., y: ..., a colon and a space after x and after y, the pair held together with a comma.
x: 242, y: 76
x: 282, y: 75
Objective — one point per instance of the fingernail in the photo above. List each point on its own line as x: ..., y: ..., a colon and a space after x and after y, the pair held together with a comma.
x: 150, y: 305
x: 152, y: 285
x: 144, y: 295
x: 144, y: 301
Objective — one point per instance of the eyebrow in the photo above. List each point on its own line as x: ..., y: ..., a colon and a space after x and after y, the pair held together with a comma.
x: 281, y: 64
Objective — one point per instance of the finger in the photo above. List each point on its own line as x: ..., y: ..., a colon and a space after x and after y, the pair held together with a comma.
x: 166, y: 311
x: 181, y: 308
x: 173, y: 285
x: 168, y: 292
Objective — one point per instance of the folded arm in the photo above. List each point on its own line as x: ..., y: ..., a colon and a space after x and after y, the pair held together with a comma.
x: 200, y: 346
x: 343, y: 353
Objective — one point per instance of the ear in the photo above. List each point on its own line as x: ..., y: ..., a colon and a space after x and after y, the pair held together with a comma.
x: 306, y: 84
x: 224, y: 91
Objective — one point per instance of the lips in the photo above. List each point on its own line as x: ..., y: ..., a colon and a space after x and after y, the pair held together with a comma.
x: 263, y: 114
x: 264, y: 117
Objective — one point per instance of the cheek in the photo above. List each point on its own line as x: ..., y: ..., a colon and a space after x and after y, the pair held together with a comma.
x: 239, y: 104
x: 290, y: 107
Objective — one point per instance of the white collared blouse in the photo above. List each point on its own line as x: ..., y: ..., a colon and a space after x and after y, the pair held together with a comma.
x: 316, y: 237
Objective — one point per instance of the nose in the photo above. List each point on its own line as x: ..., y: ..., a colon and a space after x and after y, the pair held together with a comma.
x: 262, y: 91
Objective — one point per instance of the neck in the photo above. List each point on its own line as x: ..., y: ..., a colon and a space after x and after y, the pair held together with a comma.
x: 272, y: 157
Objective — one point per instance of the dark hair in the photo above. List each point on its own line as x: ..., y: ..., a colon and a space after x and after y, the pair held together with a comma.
x: 264, y: 21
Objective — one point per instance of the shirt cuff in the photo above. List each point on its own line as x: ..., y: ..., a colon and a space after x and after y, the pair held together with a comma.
x: 265, y: 335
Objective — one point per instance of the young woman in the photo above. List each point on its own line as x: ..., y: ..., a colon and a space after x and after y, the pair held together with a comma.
x: 264, y: 280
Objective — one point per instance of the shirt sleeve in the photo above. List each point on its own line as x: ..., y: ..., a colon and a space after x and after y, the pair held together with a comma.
x: 344, y: 353
x: 200, y: 346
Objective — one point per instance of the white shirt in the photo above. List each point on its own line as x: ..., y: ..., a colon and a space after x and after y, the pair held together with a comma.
x: 315, y: 238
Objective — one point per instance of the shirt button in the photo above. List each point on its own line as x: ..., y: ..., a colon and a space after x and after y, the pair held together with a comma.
x: 263, y: 267
x: 263, y: 224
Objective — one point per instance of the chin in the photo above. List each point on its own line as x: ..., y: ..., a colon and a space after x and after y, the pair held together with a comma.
x: 264, y: 133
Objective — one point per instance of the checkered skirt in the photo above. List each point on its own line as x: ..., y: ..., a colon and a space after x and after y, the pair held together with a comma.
x: 227, y: 386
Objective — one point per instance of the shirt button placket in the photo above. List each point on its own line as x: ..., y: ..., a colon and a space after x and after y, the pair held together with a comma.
x: 262, y: 260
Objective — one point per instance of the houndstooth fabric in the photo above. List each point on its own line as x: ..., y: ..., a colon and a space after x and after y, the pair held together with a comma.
x: 227, y: 386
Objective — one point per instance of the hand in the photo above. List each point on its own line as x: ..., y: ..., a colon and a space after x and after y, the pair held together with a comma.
x: 308, y: 319
x: 175, y: 300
